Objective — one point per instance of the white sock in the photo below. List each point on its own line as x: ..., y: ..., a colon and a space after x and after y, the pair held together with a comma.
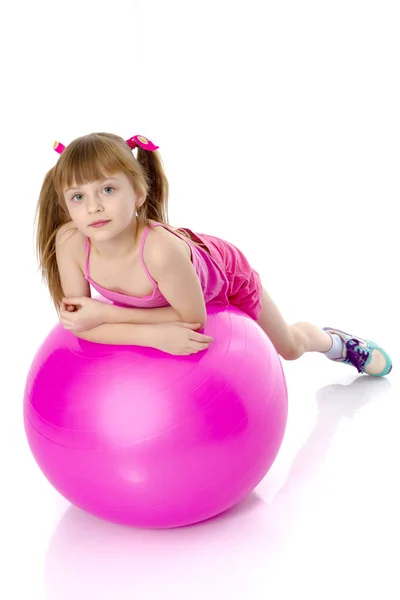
x: 337, y: 346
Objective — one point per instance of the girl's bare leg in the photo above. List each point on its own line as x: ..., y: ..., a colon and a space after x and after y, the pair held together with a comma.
x: 291, y: 341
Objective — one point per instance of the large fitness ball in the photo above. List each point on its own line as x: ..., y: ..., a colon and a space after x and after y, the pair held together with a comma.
x: 138, y: 436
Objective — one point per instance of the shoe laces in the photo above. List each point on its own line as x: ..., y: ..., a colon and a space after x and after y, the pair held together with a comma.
x: 357, y: 355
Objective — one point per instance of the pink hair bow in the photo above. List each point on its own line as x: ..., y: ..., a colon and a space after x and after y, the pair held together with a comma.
x: 133, y: 142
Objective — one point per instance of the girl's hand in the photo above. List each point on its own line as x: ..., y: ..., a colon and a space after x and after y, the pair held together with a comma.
x: 179, y: 338
x: 79, y: 313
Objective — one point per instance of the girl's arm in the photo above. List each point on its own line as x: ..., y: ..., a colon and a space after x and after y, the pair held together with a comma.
x: 177, y: 280
x: 124, y: 334
x: 121, y: 314
x: 169, y: 337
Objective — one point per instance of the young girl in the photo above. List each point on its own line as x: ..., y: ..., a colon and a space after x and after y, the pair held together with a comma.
x: 102, y: 220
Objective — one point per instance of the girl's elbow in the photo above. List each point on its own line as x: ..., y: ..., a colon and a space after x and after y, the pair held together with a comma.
x: 193, y: 313
x: 203, y: 320
x: 195, y: 318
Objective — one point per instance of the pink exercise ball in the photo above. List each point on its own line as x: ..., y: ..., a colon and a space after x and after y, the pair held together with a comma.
x: 140, y: 437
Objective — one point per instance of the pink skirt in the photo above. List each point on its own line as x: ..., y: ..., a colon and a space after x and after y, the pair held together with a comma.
x: 245, y: 287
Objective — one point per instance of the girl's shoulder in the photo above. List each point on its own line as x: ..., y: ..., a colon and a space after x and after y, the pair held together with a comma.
x: 160, y: 239
x: 63, y: 230
x: 73, y: 241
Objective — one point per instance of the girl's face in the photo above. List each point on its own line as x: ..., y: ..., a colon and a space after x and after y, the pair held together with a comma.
x: 112, y: 199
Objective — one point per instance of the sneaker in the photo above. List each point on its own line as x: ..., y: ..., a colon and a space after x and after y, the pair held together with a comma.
x: 363, y: 354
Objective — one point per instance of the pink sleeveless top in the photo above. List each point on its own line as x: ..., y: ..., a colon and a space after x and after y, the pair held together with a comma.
x: 211, y: 274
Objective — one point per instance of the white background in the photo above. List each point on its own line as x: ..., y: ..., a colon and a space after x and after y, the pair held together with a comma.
x: 279, y: 127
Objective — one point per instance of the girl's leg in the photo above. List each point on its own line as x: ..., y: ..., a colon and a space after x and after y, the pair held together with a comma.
x: 291, y: 341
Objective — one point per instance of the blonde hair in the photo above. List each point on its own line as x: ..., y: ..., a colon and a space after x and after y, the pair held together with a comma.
x: 91, y: 158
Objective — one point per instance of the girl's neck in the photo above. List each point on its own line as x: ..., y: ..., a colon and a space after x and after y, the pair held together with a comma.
x: 122, y: 247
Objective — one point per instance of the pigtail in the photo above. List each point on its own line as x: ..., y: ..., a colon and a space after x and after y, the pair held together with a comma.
x: 49, y: 217
x: 156, y: 205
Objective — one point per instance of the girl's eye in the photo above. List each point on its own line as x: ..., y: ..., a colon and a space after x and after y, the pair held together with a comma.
x: 107, y: 187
